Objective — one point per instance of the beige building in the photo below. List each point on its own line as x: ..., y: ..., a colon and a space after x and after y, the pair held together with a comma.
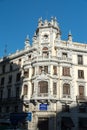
x: 47, y: 79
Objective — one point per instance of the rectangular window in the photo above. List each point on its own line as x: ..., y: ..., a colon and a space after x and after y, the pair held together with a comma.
x: 10, y: 79
x: 11, y: 67
x: 2, y: 80
x: 16, y: 109
x: 54, y: 88
x: 18, y: 76
x: 81, y: 91
x: 81, y: 74
x: 40, y: 69
x: 80, y: 59
x: 3, y: 68
x: 43, y: 87
x: 17, y: 92
x: 1, y: 94
x: 46, y: 69
x: 64, y: 55
x: 9, y: 93
x: 55, y: 70
x: 66, y: 71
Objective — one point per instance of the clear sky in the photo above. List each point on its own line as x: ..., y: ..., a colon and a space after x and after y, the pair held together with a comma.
x: 19, y: 18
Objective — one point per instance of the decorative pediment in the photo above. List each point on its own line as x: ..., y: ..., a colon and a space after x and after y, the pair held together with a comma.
x: 42, y: 76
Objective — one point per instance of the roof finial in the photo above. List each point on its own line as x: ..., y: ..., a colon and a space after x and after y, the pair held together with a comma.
x: 69, y: 36
x: 27, y: 42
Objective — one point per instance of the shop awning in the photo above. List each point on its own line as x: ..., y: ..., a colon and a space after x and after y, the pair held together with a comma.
x: 67, y: 122
x: 83, y: 122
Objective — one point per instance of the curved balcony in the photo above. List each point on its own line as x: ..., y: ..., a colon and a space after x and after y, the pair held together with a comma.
x: 66, y: 98
x: 44, y: 97
x: 47, y: 58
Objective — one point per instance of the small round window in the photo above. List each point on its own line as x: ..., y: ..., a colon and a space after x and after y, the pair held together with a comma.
x: 45, y: 36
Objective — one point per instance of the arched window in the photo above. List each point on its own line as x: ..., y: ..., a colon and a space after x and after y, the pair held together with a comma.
x: 25, y: 91
x: 66, y: 89
x: 43, y: 87
x: 45, y: 52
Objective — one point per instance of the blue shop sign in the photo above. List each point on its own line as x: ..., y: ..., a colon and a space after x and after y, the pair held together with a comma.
x: 43, y: 107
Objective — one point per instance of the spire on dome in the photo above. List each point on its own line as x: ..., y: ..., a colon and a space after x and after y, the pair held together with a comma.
x: 70, y: 36
x: 27, y: 42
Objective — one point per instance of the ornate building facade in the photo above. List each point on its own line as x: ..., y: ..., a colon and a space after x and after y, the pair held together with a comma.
x: 47, y: 79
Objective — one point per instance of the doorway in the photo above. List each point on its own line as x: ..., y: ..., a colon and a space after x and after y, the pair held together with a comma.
x: 43, y: 124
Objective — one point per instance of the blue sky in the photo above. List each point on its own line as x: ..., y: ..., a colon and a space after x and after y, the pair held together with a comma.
x: 20, y: 17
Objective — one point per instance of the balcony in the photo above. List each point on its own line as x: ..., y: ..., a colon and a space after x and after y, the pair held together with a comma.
x: 44, y: 97
x: 65, y: 59
x: 82, y: 98
x: 66, y: 98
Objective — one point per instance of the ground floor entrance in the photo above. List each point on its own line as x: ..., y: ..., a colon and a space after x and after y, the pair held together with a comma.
x: 43, y: 123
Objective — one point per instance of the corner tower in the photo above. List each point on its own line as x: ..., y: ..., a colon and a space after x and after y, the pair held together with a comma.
x: 46, y: 32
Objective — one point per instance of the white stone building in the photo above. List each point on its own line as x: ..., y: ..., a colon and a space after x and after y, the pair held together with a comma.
x: 47, y: 79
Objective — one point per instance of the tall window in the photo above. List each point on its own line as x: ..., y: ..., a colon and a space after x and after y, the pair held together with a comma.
x: 40, y: 69
x: 2, y: 80
x: 16, y: 109
x: 25, y: 91
x: 81, y: 74
x: 46, y: 69
x: 66, y: 89
x: 17, y: 92
x: 18, y: 77
x: 45, y: 52
x: 11, y: 67
x: 9, y: 93
x: 10, y: 79
x: 43, y: 86
x: 1, y: 94
x: 3, y: 68
x: 80, y: 59
x: 54, y: 88
x: 55, y: 70
x: 66, y: 71
x: 81, y: 90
